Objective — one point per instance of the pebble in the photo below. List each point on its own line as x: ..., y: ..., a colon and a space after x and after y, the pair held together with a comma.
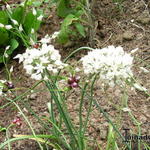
x: 128, y: 35
x: 33, y: 96
x: 143, y: 20
x: 103, y: 134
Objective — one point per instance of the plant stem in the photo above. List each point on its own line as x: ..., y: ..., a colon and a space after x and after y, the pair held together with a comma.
x: 26, y: 121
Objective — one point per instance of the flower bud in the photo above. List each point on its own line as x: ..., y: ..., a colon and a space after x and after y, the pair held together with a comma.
x: 8, y: 27
x: 20, y: 28
x: 15, y: 22
x: 1, y: 25
x: 17, y: 121
x: 34, y: 12
x: 40, y: 18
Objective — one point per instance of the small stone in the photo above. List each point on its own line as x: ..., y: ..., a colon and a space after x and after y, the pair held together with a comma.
x: 103, y: 134
x: 33, y: 96
x: 144, y: 20
x: 128, y: 35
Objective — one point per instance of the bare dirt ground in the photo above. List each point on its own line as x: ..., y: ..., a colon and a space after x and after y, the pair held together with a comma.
x: 130, y: 28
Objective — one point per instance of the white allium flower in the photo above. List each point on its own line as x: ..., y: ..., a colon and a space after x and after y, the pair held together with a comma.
x: 40, y: 18
x: 8, y: 27
x: 55, y: 34
x: 36, y: 60
x: 32, y: 41
x: 34, y: 12
x: 36, y: 76
x: 6, y: 55
x: 15, y: 22
x: 11, y: 69
x: 7, y: 47
x: 112, y: 64
x: 32, y: 31
x: 46, y: 39
x: 20, y: 57
x: 22, y: 4
x: 77, y: 69
x: 20, y: 28
x: 2, y: 25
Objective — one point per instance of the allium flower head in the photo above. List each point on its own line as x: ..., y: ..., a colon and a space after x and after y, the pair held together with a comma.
x: 17, y: 121
x: 41, y: 57
x: 48, y: 39
x: 112, y: 64
x: 73, y: 81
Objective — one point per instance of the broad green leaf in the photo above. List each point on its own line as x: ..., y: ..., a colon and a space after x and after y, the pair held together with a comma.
x: 4, y: 36
x: 3, y: 17
x: 37, y: 3
x: 68, y: 20
x: 18, y: 14
x: 79, y: 13
x: 80, y: 29
x: 32, y: 22
x: 63, y: 37
x: 65, y: 30
x: 13, y: 45
x: 63, y: 8
x: 29, y: 22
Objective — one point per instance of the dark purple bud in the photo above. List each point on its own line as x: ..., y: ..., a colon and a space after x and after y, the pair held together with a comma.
x: 74, y: 85
x: 10, y: 85
x: 17, y: 121
x: 70, y: 80
x: 77, y: 79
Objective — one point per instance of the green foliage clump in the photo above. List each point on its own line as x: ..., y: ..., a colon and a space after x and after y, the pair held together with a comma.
x: 15, y: 37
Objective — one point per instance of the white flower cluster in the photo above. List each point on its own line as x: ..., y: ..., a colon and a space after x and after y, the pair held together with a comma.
x: 48, y: 39
x: 44, y: 56
x: 112, y: 64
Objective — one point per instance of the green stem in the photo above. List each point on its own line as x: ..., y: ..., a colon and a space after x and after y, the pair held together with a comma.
x: 56, y: 95
x: 24, y: 11
x: 109, y: 120
x: 80, y: 117
x: 7, y: 136
x: 20, y: 96
x: 90, y: 106
x: 27, y: 122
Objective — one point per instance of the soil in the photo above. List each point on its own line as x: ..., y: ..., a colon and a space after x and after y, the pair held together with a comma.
x: 129, y: 27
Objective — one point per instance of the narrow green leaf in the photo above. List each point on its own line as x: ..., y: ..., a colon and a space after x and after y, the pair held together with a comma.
x: 17, y: 14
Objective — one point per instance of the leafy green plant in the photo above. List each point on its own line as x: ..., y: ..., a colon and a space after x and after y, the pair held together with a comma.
x: 73, y: 14
x: 18, y: 27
